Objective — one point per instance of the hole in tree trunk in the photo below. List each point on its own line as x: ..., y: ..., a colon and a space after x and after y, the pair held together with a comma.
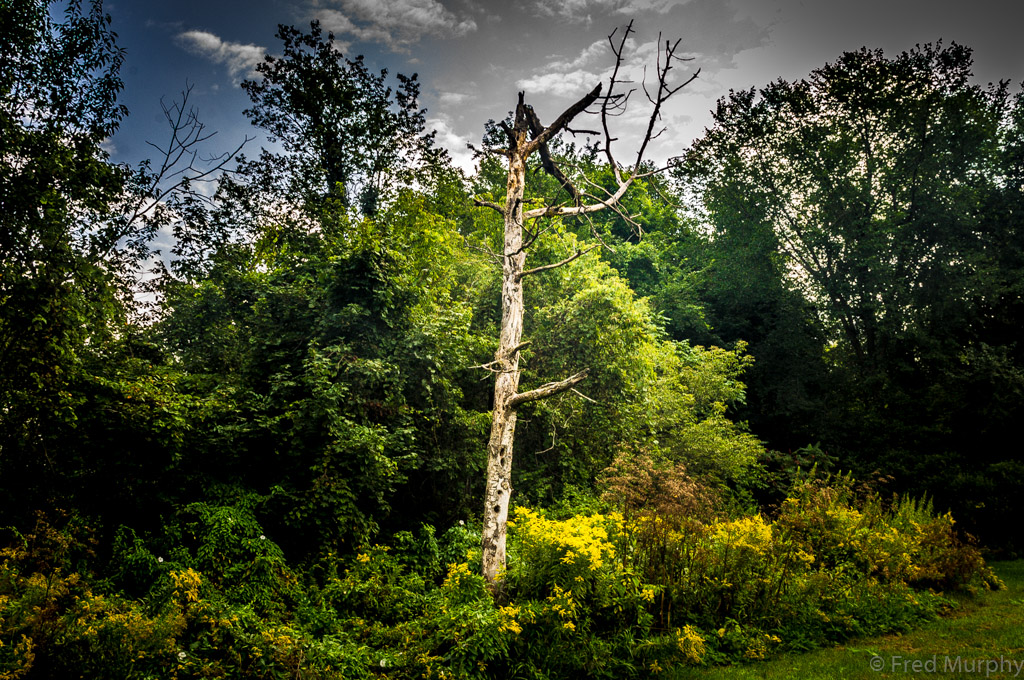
x: 497, y: 508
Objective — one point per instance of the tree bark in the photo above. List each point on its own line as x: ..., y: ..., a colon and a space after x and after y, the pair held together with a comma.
x: 506, y: 360
x: 526, y: 136
x: 503, y: 421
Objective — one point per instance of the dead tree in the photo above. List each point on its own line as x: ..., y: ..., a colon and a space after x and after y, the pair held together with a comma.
x: 525, y: 137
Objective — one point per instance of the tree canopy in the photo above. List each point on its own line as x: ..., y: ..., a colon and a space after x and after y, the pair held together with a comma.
x: 263, y: 452
x: 879, y: 189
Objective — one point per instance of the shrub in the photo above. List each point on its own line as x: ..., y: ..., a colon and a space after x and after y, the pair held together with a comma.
x: 670, y: 581
x: 586, y: 612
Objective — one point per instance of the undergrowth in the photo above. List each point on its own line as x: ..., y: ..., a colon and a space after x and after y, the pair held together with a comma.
x: 653, y: 576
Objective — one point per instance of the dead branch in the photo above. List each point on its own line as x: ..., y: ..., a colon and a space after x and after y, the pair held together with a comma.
x: 562, y: 121
x: 525, y: 137
x: 614, y: 104
x: 548, y: 390
x: 665, y: 91
x: 486, y: 250
x: 583, y: 396
x: 545, y: 156
x: 180, y: 166
x: 536, y: 270
x: 488, y: 204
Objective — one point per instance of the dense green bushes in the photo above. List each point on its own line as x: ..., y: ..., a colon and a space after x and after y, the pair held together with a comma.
x: 308, y: 382
x: 623, y: 592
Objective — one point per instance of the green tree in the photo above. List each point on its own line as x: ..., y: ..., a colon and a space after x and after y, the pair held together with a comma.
x: 332, y: 336
x: 345, y: 132
x: 58, y: 102
x: 878, y: 189
x: 644, y: 392
x: 89, y: 412
x: 868, y: 174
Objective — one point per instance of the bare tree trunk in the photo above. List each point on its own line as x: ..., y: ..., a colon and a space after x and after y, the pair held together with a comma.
x: 526, y: 136
x: 503, y: 422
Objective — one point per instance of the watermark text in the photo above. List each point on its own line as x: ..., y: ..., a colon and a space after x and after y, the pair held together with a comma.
x: 965, y: 665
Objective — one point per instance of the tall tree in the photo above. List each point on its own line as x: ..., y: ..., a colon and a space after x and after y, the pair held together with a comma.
x: 867, y: 175
x: 346, y: 134
x: 75, y: 232
x: 58, y: 101
x: 881, y: 188
x: 525, y: 137
x: 326, y: 332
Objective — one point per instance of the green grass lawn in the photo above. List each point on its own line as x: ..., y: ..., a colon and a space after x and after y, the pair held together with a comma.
x: 985, y: 632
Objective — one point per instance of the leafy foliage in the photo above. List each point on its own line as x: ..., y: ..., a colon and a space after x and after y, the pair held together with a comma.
x: 346, y: 134
x: 270, y: 475
x: 871, y: 196
x: 58, y: 101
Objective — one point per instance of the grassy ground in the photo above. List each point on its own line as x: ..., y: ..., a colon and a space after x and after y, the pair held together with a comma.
x: 985, y: 636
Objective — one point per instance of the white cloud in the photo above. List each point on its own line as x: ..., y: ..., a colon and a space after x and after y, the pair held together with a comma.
x: 455, y: 143
x: 454, y: 98
x: 581, y: 10
x: 599, y: 49
x: 240, y: 59
x: 637, y: 6
x: 395, y: 23
x: 554, y: 82
x: 570, y: 77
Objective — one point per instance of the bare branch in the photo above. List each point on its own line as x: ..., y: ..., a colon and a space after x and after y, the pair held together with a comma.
x: 580, y: 394
x: 536, y: 270
x: 664, y: 92
x: 521, y: 346
x: 580, y: 209
x: 179, y: 166
x: 488, y: 367
x: 508, y: 134
x: 481, y: 153
x: 533, y: 237
x: 614, y: 104
x: 503, y: 361
x: 562, y: 121
x: 597, y: 235
x: 536, y: 129
x: 486, y: 250
x: 488, y: 204
x: 548, y: 390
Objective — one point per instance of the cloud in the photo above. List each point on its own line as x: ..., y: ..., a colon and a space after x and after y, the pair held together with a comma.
x: 240, y: 59
x: 560, y: 83
x: 455, y: 143
x: 581, y: 10
x: 571, y: 77
x: 596, y: 51
x: 454, y: 98
x: 711, y: 32
x: 395, y: 23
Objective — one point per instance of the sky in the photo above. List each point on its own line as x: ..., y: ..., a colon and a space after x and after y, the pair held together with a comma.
x: 473, y: 56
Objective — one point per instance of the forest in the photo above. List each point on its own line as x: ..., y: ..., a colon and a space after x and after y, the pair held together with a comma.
x: 770, y: 389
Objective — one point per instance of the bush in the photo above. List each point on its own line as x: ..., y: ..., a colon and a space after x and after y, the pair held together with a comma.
x: 670, y: 581
x: 584, y: 611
